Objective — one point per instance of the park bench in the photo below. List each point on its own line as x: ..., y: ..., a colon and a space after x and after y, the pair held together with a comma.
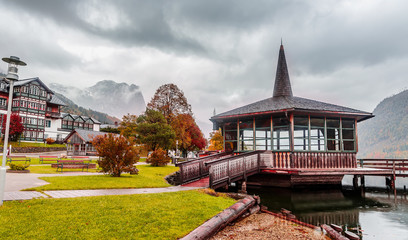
x: 72, y: 164
x: 18, y: 159
x: 49, y: 159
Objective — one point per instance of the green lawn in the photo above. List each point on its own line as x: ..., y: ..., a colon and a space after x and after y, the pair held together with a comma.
x: 48, y: 169
x: 144, y: 216
x: 33, y: 144
x: 148, y: 177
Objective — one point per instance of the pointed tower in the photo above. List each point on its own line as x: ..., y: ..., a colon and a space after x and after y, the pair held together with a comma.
x: 282, y: 83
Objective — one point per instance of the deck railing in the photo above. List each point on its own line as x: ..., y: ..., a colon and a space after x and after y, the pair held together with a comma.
x: 314, y: 160
x: 392, y: 164
x: 226, y: 170
x: 195, y: 169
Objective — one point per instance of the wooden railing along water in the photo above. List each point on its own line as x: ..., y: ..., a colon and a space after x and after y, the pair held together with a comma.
x: 314, y: 160
x: 396, y: 164
x: 226, y: 167
x: 195, y: 169
x: 226, y: 170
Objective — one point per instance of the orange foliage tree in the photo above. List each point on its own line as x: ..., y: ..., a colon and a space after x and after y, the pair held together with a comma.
x: 188, y: 134
x: 216, y: 141
x: 117, y: 154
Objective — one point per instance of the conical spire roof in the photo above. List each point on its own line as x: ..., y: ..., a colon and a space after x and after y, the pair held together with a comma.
x: 282, y: 83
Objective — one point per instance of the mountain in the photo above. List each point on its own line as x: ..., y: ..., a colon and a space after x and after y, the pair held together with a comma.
x: 117, y: 99
x: 75, y: 109
x: 386, y: 135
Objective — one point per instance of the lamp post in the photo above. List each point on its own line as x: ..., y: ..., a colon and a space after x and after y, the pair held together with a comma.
x: 12, y: 75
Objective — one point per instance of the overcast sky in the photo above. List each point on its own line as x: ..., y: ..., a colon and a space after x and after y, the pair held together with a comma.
x: 222, y: 54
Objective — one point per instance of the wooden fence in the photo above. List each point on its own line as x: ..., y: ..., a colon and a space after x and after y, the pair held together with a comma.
x: 400, y: 165
x: 226, y: 170
x: 314, y: 160
x: 195, y: 169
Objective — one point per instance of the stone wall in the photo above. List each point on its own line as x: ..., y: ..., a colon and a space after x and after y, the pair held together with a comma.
x: 36, y: 149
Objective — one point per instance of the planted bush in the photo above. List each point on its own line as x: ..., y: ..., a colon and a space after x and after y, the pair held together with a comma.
x: 50, y: 141
x: 18, y: 166
x: 116, y: 154
x: 158, y: 158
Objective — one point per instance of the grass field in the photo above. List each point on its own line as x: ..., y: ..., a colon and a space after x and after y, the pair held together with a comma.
x: 148, y: 177
x: 48, y: 169
x: 144, y: 216
x: 33, y: 144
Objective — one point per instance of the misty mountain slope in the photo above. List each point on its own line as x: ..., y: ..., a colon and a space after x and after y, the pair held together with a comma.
x: 386, y: 135
x: 77, y: 110
x: 117, y: 99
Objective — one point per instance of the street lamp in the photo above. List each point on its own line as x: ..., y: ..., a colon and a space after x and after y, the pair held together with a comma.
x: 12, y: 75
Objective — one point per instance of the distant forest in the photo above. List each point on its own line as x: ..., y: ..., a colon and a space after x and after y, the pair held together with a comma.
x: 72, y: 108
x: 386, y: 135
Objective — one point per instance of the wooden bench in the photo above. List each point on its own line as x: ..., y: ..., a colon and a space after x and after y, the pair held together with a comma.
x: 18, y: 159
x: 49, y: 159
x: 72, y: 164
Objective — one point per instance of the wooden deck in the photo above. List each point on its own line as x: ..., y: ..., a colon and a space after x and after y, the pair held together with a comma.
x: 267, y: 168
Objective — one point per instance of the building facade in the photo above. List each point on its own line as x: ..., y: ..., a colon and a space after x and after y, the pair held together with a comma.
x: 40, y: 111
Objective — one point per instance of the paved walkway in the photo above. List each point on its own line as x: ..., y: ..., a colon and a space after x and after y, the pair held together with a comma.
x: 15, y: 182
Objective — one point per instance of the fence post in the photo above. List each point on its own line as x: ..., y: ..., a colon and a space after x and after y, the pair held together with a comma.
x: 259, y: 161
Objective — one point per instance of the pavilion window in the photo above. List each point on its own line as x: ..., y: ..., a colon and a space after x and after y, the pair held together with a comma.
x: 317, y: 136
x: 246, y: 135
x: 281, y: 136
x: 301, y: 133
x: 230, y: 130
x: 348, y: 134
x: 263, y: 134
x: 333, y: 134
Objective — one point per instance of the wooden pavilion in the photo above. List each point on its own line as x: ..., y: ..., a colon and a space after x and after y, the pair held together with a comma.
x: 310, y: 141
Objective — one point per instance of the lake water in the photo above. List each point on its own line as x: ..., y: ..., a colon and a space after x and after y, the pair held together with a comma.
x: 373, y: 214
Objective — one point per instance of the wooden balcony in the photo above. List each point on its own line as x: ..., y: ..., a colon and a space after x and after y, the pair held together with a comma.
x: 52, y: 114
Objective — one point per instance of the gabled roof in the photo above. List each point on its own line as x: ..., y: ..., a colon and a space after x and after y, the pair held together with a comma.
x: 36, y: 79
x: 275, y: 104
x: 85, y: 135
x: 74, y: 117
x: 57, y: 101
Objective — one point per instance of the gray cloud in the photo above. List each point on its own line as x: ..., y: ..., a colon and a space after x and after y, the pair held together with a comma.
x: 221, y: 53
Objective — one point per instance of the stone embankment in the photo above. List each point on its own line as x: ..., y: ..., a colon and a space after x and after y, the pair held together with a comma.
x: 36, y: 149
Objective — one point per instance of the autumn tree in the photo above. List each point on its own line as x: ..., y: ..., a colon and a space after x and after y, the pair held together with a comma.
x: 170, y: 101
x: 116, y: 153
x: 110, y: 130
x: 153, y: 130
x: 188, y: 134
x: 128, y: 126
x: 16, y: 127
x: 216, y: 141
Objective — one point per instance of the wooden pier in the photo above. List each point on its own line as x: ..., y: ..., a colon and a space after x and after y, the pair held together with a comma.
x: 267, y: 168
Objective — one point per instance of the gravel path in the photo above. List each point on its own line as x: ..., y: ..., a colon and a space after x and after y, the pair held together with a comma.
x: 266, y: 226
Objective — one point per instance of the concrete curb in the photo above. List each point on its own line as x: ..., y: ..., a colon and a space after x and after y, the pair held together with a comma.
x: 212, y: 226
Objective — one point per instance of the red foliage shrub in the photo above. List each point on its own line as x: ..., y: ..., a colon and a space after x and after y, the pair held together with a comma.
x: 158, y: 158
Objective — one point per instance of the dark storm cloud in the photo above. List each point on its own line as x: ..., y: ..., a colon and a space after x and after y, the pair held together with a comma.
x: 148, y: 27
x: 323, y: 38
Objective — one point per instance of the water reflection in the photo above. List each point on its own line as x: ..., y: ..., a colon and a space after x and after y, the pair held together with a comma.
x: 373, y: 215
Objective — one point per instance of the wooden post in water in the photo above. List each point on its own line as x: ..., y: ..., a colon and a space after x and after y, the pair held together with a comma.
x: 355, y: 182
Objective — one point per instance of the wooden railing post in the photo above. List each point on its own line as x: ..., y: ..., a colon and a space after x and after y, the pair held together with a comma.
x: 243, y: 161
x: 181, y: 174
x: 259, y: 162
